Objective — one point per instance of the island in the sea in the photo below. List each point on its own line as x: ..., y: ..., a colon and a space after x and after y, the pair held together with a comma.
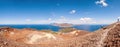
x: 62, y: 24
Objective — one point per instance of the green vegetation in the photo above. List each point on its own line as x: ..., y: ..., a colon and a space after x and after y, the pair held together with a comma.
x: 63, y: 30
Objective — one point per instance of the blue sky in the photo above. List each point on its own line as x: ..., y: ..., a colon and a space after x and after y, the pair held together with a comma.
x: 59, y: 11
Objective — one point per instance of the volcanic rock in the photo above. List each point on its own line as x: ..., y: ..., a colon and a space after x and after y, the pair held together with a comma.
x: 108, y: 36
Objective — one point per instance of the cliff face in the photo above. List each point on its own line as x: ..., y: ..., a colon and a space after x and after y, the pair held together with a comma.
x: 108, y: 36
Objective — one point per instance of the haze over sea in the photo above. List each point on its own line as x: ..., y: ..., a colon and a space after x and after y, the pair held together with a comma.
x: 90, y: 28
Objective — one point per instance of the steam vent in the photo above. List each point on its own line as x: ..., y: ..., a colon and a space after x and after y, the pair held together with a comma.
x: 108, y: 36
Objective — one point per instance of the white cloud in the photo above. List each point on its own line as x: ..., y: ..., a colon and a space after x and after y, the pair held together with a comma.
x: 72, y: 11
x: 87, y: 20
x: 84, y: 20
x: 49, y: 19
x: 28, y: 20
x: 62, y: 19
x: 102, y: 2
x: 118, y: 17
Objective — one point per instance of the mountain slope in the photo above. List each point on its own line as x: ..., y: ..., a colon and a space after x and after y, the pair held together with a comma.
x: 108, y: 36
x: 105, y: 37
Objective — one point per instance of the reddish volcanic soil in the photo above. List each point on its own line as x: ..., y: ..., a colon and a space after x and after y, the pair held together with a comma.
x: 105, y: 37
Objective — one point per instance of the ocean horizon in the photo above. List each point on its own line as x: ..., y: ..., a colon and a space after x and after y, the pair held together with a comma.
x: 86, y: 27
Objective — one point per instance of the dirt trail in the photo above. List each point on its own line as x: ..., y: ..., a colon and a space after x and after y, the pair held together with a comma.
x: 101, y: 42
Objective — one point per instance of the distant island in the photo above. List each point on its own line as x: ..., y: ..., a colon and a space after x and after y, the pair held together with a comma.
x: 62, y: 24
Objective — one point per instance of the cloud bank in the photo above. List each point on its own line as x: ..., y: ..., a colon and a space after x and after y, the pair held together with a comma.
x: 102, y: 2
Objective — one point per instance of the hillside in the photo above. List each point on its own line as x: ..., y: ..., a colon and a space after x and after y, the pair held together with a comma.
x: 108, y: 36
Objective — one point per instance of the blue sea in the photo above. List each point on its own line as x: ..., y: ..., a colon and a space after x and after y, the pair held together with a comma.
x: 90, y: 28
